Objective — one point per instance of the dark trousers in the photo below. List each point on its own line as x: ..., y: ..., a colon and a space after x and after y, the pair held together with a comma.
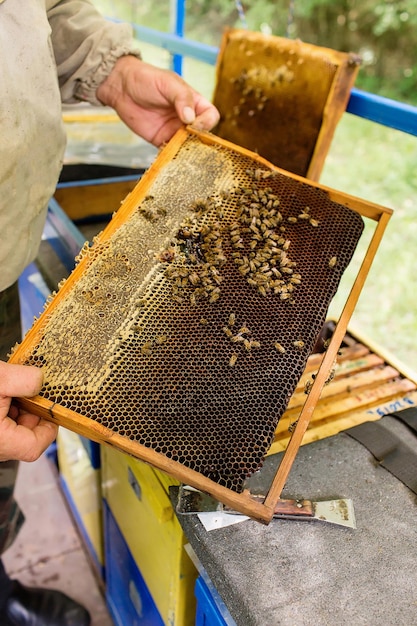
x: 11, y: 518
x: 6, y: 585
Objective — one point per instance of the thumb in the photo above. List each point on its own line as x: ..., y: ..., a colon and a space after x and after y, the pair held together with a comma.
x: 184, y: 102
x: 19, y: 380
x: 187, y: 114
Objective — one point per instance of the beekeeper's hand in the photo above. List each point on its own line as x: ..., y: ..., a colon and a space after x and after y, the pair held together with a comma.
x: 23, y: 436
x: 153, y: 102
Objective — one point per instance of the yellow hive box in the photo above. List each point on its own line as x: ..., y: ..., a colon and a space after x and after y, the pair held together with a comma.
x: 138, y: 499
x: 82, y: 483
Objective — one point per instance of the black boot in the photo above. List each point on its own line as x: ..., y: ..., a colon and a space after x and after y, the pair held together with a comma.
x: 30, y: 606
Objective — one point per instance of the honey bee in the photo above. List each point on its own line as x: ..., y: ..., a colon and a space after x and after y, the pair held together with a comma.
x: 147, y: 348
x: 279, y: 347
x: 292, y: 220
x: 227, y: 332
x: 298, y: 344
x: 333, y: 261
x: 308, y: 386
x: 233, y: 359
x: 255, y: 344
x: 215, y: 295
x: 148, y: 215
x: 194, y: 278
x: 332, y: 374
x: 203, y: 321
x: 292, y: 426
x: 314, y: 222
x: 232, y: 319
x: 167, y: 256
x: 200, y: 205
x: 161, y: 339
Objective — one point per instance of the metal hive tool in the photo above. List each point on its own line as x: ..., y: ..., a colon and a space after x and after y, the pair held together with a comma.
x: 182, y: 332
x: 282, y: 98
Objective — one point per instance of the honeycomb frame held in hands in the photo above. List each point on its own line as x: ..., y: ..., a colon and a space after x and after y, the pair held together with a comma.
x: 183, y: 330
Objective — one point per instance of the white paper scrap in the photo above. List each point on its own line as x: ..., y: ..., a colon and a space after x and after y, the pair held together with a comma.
x: 218, y: 519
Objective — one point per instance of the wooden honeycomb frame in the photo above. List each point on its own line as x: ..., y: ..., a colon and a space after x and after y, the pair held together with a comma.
x: 241, y: 502
x: 282, y: 98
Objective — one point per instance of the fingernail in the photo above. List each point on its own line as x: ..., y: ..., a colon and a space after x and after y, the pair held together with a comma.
x: 188, y: 115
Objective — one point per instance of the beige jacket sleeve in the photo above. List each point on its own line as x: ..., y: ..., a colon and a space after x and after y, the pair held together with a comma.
x: 86, y: 47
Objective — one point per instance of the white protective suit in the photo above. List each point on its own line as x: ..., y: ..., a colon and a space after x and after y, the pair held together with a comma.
x: 51, y: 52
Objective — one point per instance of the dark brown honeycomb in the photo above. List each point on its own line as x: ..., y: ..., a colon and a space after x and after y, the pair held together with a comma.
x: 273, y: 95
x: 192, y: 322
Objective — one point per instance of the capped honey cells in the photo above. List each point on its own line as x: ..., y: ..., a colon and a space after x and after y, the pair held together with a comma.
x: 191, y: 322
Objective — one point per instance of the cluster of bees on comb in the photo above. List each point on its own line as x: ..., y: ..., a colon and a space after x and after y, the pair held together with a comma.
x: 257, y: 237
x: 196, y: 256
x: 252, y: 97
x: 239, y: 336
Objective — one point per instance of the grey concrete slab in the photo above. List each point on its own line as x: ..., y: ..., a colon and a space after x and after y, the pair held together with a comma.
x: 300, y: 572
